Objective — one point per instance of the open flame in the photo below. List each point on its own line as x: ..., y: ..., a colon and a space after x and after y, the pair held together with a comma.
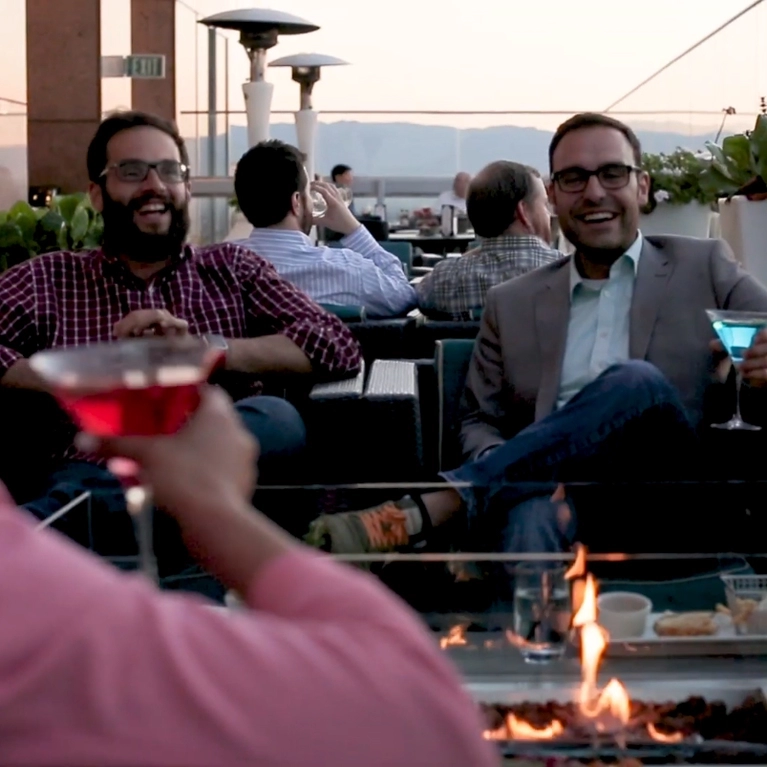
x: 575, y: 574
x: 593, y: 644
x: 664, y: 737
x: 609, y: 708
x: 519, y: 729
x: 615, y: 701
x: 578, y: 568
x: 612, y: 704
x: 456, y: 637
x: 587, y: 605
x: 502, y: 733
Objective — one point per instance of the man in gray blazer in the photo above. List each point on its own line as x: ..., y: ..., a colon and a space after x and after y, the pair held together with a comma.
x: 600, y: 367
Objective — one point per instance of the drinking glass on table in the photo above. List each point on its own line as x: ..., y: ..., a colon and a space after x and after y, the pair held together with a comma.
x: 136, y: 387
x: 541, y: 611
x: 736, y: 331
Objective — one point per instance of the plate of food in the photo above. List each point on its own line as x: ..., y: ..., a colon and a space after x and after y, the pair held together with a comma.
x: 699, y: 632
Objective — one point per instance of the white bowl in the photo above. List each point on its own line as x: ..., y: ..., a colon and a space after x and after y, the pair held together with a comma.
x: 623, y: 613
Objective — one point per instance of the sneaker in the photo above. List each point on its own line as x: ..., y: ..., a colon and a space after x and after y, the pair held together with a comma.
x: 383, y: 528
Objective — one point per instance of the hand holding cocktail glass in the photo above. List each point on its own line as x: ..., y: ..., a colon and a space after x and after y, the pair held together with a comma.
x: 143, y: 387
x: 210, y: 463
x: 742, y: 336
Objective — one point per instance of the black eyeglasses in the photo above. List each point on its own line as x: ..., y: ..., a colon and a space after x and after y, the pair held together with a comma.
x: 610, y: 176
x: 136, y: 171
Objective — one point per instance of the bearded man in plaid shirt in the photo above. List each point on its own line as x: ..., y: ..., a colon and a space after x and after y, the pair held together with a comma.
x: 508, y: 208
x: 146, y: 280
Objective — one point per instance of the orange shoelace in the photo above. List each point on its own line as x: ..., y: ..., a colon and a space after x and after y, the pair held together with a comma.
x: 385, y: 527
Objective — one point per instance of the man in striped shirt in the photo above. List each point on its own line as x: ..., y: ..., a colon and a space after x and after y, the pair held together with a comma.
x: 508, y: 208
x: 146, y: 281
x: 273, y: 192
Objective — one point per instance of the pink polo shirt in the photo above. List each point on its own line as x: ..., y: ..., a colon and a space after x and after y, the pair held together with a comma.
x: 326, y: 668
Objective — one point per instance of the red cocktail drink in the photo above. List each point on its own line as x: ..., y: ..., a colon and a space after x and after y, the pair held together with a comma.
x: 144, y: 411
x: 139, y: 387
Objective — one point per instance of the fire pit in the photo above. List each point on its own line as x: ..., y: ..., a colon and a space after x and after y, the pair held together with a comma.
x: 662, y: 720
x: 659, y: 721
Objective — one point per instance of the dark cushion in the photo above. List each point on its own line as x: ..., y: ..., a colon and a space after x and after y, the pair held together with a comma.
x: 452, y: 359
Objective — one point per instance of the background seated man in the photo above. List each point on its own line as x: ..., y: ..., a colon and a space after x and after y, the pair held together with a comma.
x: 340, y: 176
x: 456, y: 197
x: 598, y: 367
x: 509, y: 210
x: 145, y: 280
x: 100, y: 668
x: 273, y: 192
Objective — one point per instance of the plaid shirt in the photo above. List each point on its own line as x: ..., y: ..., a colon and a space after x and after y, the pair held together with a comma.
x: 458, y: 285
x: 72, y: 299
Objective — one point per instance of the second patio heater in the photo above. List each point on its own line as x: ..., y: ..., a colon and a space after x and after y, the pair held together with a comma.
x: 259, y: 29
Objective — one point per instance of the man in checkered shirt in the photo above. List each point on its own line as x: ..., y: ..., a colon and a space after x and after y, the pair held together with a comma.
x: 508, y: 208
x: 145, y: 280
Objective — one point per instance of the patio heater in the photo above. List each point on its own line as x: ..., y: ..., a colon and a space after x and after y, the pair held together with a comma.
x: 259, y: 29
x: 305, y: 68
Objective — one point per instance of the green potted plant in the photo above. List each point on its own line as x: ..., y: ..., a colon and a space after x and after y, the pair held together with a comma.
x: 70, y: 223
x: 737, y: 173
x: 678, y: 203
x: 738, y: 166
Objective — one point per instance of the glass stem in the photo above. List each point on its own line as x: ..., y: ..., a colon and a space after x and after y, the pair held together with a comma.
x: 738, y: 382
x: 139, y: 502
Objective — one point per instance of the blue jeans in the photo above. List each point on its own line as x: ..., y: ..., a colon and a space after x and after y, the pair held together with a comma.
x: 108, y: 529
x: 626, y: 426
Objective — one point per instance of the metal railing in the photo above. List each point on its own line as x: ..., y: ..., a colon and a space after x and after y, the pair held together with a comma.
x: 378, y: 187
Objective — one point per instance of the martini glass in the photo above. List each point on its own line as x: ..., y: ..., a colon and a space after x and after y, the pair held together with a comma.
x: 736, y: 330
x: 137, y: 387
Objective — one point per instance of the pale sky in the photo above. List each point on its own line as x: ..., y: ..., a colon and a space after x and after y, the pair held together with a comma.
x: 513, y: 54
x: 483, y: 54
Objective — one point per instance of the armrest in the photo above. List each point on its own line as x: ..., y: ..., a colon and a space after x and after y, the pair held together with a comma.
x: 392, y: 379
x: 349, y: 388
x: 395, y: 441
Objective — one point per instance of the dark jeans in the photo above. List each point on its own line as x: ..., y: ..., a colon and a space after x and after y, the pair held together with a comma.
x: 108, y: 529
x: 627, y: 426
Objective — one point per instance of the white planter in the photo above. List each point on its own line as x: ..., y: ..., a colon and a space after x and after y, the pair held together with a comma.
x: 744, y: 227
x: 691, y: 220
x: 258, y: 104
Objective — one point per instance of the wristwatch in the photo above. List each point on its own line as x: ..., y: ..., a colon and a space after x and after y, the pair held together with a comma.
x: 216, y: 341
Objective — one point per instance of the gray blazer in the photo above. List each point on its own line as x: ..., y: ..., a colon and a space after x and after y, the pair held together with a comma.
x: 515, y: 371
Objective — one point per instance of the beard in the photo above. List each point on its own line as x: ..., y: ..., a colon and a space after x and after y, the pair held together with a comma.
x: 122, y: 236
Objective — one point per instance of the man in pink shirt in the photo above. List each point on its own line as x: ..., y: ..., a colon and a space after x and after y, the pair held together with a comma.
x: 325, y: 668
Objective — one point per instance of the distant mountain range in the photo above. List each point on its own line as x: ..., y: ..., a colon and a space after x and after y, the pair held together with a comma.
x: 406, y: 149
x: 390, y: 149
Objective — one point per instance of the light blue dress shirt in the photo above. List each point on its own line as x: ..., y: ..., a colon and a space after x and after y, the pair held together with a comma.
x: 598, y: 329
x: 360, y: 273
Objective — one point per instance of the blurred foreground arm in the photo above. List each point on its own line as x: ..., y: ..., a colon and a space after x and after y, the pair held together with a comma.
x: 326, y: 668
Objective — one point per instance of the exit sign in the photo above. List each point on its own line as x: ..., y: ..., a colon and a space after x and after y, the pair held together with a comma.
x: 145, y: 66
